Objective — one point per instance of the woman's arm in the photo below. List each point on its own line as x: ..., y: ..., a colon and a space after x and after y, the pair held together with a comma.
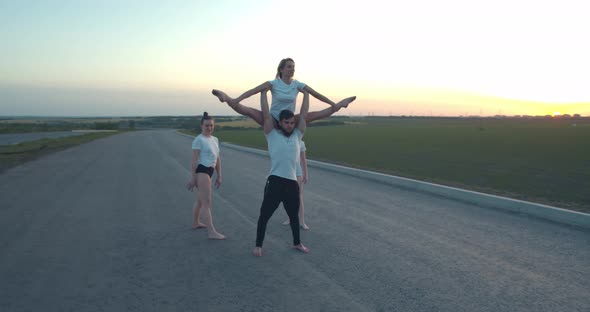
x: 192, y: 183
x: 218, y: 169
x: 194, y: 161
x: 264, y: 86
x: 318, y: 96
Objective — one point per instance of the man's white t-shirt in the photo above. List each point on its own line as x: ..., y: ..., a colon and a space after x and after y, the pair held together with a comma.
x: 284, y: 96
x: 209, y: 147
x: 284, y: 153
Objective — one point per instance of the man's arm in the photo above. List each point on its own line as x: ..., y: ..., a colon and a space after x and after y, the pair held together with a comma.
x: 303, y: 114
x: 267, y: 122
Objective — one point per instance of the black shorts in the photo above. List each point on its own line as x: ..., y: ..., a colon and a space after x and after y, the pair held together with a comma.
x: 207, y: 170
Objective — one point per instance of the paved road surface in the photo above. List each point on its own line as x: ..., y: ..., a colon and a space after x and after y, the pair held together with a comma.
x: 106, y: 227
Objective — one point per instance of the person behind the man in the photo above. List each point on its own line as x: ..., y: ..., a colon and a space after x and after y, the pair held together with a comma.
x: 281, y: 185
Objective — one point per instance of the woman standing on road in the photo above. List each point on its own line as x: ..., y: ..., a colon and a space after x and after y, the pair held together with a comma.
x: 205, y: 161
x: 284, y: 90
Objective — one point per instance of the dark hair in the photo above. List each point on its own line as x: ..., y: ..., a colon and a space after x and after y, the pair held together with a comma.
x: 282, y: 65
x: 206, y: 117
x: 285, y: 114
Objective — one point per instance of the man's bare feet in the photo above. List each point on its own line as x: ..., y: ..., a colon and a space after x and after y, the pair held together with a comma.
x: 257, y: 252
x: 301, y: 248
x: 216, y: 235
x: 344, y: 103
x: 220, y: 95
x: 198, y: 225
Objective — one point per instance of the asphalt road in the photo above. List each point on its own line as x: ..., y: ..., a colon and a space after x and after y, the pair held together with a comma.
x: 106, y: 227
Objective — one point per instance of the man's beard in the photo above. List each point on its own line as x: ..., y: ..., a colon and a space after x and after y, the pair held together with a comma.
x: 287, y: 134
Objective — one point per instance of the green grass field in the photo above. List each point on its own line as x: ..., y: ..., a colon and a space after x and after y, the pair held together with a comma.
x: 13, y: 155
x: 541, y: 160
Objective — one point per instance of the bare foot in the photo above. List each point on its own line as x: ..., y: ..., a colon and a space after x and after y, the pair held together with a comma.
x: 216, y: 235
x: 286, y: 222
x: 199, y: 225
x: 344, y: 103
x: 304, y: 226
x: 257, y: 252
x: 301, y: 248
x: 220, y: 95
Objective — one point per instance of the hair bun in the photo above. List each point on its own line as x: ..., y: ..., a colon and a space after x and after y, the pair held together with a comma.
x: 205, y: 114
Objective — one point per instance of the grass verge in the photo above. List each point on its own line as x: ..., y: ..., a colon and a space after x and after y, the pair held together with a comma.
x: 542, y: 161
x: 16, y: 154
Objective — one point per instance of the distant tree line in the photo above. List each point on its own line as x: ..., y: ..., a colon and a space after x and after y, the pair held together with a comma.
x: 106, y: 126
x: 55, y: 126
x: 193, y: 122
x: 43, y: 127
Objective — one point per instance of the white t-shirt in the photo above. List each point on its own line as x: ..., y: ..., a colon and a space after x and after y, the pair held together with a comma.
x: 284, y: 96
x: 284, y: 153
x: 302, y: 149
x: 209, y: 147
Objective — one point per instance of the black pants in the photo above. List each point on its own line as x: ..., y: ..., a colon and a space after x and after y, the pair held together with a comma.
x: 279, y: 190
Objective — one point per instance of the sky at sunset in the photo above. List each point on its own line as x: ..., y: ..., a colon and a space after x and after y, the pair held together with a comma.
x: 424, y: 57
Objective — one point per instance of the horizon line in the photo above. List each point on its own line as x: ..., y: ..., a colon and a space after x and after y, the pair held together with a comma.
x: 562, y: 116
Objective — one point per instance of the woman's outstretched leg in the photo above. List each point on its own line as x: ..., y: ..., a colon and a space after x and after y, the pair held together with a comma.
x: 253, y: 113
x: 327, y: 112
